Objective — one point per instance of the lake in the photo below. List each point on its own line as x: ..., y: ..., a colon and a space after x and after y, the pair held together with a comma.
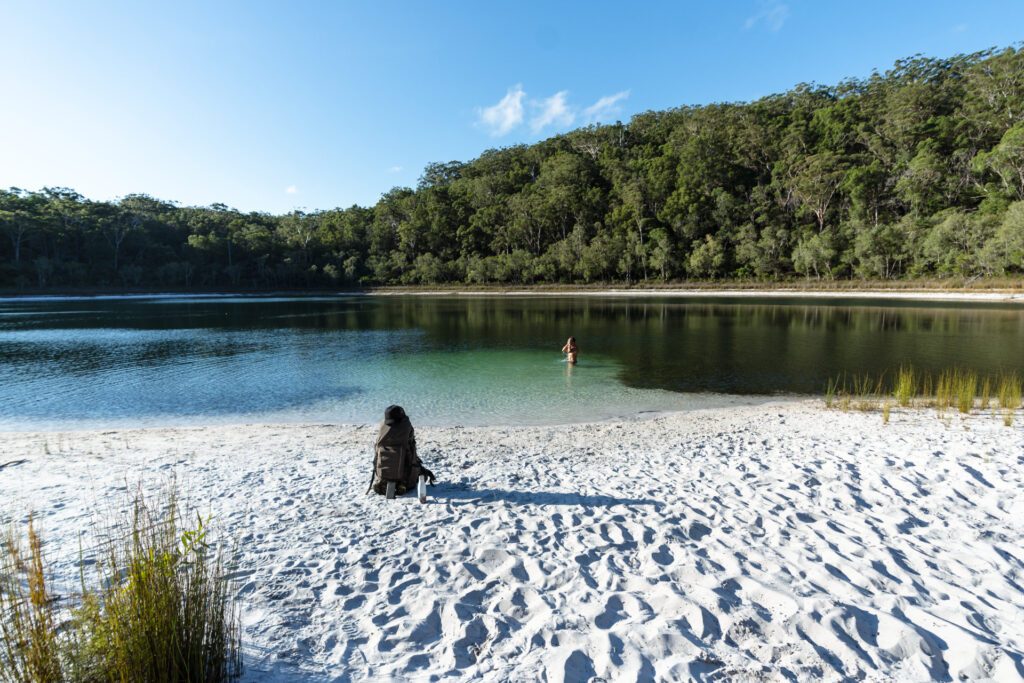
x: 472, y: 360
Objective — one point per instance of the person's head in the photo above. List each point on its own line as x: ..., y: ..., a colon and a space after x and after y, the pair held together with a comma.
x: 393, y: 415
x: 572, y: 340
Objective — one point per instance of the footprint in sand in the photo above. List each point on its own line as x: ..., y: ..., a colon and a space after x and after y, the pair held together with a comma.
x: 612, y: 614
x: 698, y: 531
x: 663, y: 555
x: 354, y: 603
x: 579, y: 667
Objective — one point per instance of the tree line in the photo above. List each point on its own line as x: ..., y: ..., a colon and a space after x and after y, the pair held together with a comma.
x: 915, y: 172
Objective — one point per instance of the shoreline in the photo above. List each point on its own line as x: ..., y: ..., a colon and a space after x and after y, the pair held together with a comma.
x: 744, y: 542
x: 923, y: 295
x: 714, y: 401
x: 997, y: 295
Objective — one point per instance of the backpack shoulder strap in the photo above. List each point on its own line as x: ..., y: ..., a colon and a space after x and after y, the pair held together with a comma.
x: 373, y: 471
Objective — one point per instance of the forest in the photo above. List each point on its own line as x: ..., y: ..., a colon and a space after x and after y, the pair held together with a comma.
x: 917, y: 172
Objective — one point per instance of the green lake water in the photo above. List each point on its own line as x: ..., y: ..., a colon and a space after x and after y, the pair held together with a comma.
x: 93, y: 362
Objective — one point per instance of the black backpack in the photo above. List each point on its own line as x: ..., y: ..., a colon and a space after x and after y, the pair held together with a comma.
x: 395, y: 458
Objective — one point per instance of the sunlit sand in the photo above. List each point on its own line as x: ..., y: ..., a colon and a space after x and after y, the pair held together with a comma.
x: 751, y: 542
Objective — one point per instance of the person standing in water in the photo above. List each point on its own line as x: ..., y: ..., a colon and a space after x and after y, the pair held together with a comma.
x: 571, y: 350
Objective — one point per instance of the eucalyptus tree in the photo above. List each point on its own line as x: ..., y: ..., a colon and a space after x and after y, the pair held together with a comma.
x: 914, y: 171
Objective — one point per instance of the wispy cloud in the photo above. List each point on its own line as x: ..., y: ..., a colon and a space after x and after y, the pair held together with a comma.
x: 606, y: 107
x: 291, y: 189
x: 548, y: 113
x: 395, y: 169
x: 499, y: 119
x: 960, y: 28
x: 553, y: 110
x: 772, y: 16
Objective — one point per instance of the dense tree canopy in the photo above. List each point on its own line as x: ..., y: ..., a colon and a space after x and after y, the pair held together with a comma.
x: 915, y: 172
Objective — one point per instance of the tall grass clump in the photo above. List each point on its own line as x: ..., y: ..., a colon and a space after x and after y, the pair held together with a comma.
x: 862, y: 390
x: 831, y: 389
x: 163, y: 611
x: 986, y: 393
x: 927, y: 389
x: 966, y: 387
x: 30, y: 649
x: 156, y: 606
x: 944, y: 391
x: 1009, y: 391
x: 905, y: 388
x: 956, y: 387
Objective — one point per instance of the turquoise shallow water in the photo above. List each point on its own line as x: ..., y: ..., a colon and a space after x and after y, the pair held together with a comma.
x: 67, y: 363
x: 131, y: 377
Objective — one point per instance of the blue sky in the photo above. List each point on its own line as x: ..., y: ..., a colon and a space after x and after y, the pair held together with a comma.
x: 272, y: 106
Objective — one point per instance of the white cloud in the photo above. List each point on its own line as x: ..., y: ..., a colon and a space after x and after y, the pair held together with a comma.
x: 772, y: 16
x: 291, y: 189
x: 549, y: 112
x: 502, y: 117
x: 395, y: 169
x: 606, y: 107
x: 960, y: 28
x: 553, y: 111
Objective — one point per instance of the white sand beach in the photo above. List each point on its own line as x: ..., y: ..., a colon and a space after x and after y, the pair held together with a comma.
x: 763, y: 541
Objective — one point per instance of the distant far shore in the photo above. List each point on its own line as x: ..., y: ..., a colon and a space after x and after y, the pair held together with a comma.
x: 1009, y: 296
x: 995, y: 290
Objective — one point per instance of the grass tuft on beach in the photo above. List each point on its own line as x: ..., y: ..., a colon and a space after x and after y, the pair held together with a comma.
x: 30, y: 648
x: 155, y: 607
x: 956, y: 388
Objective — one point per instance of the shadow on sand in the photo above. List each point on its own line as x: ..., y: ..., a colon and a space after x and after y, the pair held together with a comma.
x: 457, y: 496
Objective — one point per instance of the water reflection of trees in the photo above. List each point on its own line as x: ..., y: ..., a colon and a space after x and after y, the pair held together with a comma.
x: 729, y: 346
x: 682, y: 344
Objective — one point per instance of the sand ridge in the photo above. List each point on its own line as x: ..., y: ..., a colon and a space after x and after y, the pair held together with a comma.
x: 754, y: 542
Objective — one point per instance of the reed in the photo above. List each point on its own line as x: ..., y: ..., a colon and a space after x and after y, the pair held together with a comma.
x: 157, y: 606
x: 1009, y: 391
x: 1007, y: 418
x: 163, y: 604
x: 955, y: 387
x: 944, y: 391
x: 906, y: 386
x: 880, y: 391
x: 886, y: 407
x: 986, y: 394
x: 965, y: 385
x: 30, y: 648
x: 862, y: 389
x: 830, y: 392
x: 927, y: 390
